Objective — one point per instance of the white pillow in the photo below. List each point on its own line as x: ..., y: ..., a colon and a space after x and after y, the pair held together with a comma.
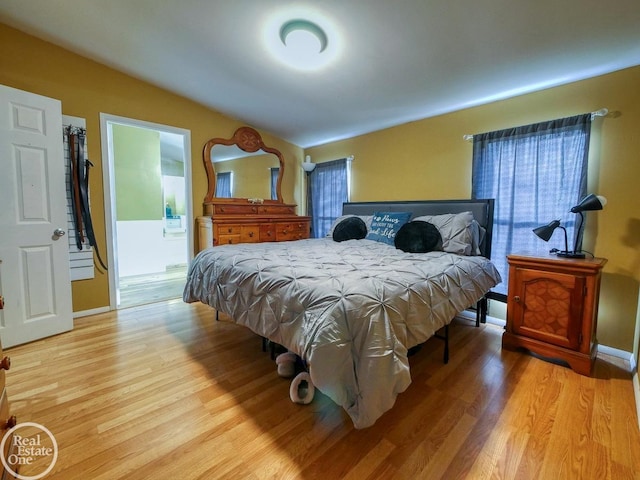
x: 459, y: 231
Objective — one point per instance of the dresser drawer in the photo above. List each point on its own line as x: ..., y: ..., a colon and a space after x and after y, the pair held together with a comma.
x: 276, y: 210
x: 227, y: 240
x: 235, y: 209
x: 268, y: 232
x: 228, y: 229
x: 6, y: 422
x: 292, y: 231
x: 250, y: 234
x: 226, y: 234
x: 5, y: 363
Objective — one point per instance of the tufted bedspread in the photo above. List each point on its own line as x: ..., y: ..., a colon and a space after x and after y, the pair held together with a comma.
x: 350, y: 310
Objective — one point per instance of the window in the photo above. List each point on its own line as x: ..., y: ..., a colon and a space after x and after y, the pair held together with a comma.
x: 223, y: 185
x: 329, y: 189
x: 535, y: 173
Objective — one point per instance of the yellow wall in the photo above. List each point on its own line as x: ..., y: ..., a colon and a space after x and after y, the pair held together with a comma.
x: 251, y: 175
x: 428, y: 159
x: 87, y: 89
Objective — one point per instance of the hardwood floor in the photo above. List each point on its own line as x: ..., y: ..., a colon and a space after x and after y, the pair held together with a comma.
x: 151, y: 288
x: 164, y: 391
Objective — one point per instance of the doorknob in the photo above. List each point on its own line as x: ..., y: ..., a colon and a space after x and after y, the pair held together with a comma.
x: 58, y: 232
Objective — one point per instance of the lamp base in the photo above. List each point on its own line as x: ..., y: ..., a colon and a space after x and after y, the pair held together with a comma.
x: 565, y: 254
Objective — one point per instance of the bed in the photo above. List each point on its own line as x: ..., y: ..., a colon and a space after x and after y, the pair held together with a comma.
x: 352, y: 309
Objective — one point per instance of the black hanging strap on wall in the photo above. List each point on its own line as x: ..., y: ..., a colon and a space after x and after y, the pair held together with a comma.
x: 80, y: 192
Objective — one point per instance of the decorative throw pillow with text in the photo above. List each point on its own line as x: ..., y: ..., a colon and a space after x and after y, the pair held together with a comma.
x: 385, y: 226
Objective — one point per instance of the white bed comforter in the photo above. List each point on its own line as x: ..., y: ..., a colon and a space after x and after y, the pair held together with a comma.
x: 350, y: 310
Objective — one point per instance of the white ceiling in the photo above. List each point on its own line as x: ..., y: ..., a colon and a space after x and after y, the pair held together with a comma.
x: 401, y: 60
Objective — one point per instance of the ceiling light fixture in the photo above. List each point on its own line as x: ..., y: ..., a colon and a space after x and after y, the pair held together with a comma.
x: 303, y: 39
x: 304, y: 36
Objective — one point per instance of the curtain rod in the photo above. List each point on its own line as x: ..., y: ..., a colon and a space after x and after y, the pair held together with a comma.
x: 598, y: 113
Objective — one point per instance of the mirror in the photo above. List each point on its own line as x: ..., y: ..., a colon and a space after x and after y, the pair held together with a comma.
x: 248, y: 160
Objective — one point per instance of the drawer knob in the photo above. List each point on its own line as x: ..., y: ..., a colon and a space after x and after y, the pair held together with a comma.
x: 250, y: 234
x: 11, y: 422
x: 516, y: 299
x: 5, y: 364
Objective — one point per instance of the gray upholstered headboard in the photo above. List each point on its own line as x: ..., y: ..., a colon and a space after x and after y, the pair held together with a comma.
x: 482, y: 211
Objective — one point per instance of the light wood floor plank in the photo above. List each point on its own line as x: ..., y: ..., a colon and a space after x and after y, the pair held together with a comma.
x: 164, y: 391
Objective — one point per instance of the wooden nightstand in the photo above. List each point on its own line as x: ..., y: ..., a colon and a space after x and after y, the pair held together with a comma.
x: 552, y: 308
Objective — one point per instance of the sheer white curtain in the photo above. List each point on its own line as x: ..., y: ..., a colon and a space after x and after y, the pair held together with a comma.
x: 275, y: 171
x: 535, y: 173
x: 329, y: 189
x: 223, y: 185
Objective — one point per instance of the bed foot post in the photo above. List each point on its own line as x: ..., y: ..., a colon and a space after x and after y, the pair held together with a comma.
x: 481, y: 311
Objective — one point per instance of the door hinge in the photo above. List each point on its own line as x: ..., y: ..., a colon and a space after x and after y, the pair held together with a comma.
x: 580, y: 339
x: 584, y: 290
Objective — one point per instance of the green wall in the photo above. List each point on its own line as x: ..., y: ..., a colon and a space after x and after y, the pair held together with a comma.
x: 138, y: 182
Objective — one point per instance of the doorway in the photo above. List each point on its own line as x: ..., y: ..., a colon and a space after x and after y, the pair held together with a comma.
x: 147, y: 185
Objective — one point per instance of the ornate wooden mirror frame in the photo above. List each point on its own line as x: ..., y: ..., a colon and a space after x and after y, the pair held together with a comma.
x: 248, y: 140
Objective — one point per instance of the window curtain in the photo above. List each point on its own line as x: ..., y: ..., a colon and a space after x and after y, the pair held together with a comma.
x: 223, y: 185
x: 535, y: 173
x: 274, y: 183
x: 328, y: 191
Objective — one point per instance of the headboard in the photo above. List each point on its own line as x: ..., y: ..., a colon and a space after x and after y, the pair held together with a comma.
x: 482, y: 211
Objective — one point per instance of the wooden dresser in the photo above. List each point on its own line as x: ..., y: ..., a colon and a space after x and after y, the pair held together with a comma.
x: 552, y: 308
x: 247, y: 220
x: 237, y: 220
x: 7, y: 420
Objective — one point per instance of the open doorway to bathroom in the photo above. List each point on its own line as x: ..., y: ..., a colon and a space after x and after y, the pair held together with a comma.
x: 147, y: 184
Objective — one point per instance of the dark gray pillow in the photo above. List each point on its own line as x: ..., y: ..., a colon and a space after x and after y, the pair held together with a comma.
x: 418, y: 237
x: 351, y: 228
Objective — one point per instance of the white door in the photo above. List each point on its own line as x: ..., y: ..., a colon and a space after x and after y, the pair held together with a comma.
x: 34, y: 256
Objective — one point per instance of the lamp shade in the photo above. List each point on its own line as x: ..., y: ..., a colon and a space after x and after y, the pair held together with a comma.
x: 308, y: 166
x: 590, y: 202
x: 545, y: 231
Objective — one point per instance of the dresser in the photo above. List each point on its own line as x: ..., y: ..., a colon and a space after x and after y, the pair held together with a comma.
x: 238, y: 220
x: 552, y: 308
x: 251, y: 166
x: 7, y: 421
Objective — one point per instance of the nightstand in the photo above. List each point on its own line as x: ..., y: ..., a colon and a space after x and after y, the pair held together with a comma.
x: 552, y: 308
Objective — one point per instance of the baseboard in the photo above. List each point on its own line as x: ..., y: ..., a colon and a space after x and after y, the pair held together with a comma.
x: 471, y: 315
x: 93, y: 311
x: 636, y: 394
x: 622, y: 354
